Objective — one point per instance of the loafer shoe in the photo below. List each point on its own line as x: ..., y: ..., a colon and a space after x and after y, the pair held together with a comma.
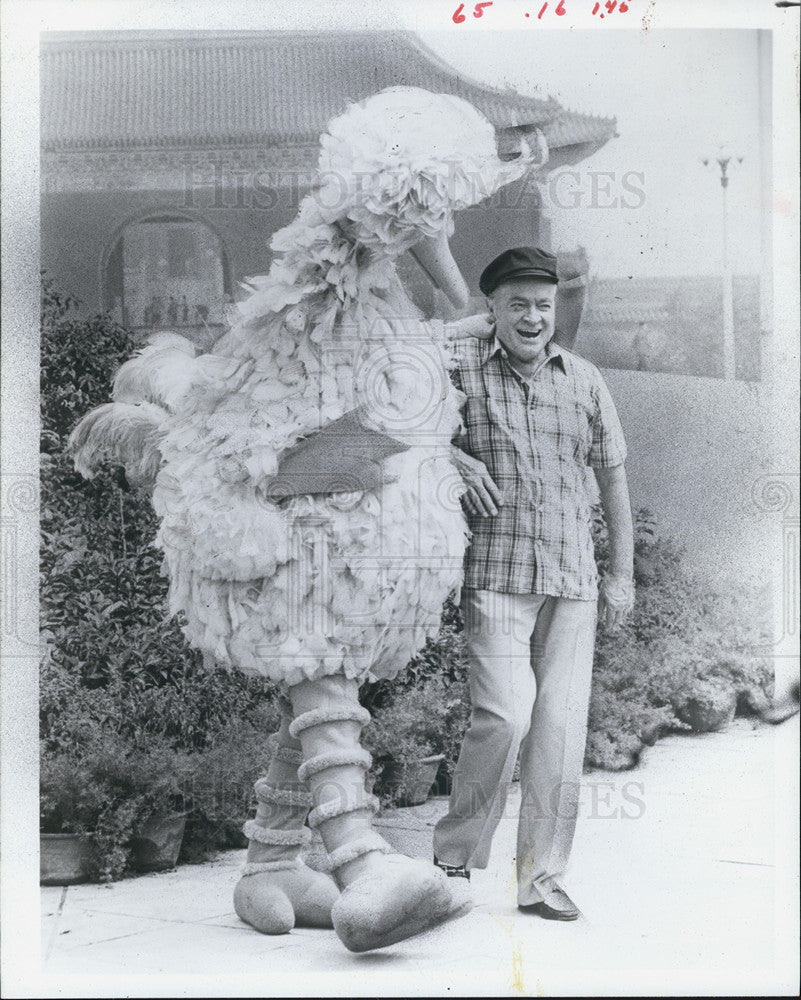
x: 557, y: 905
x: 452, y: 871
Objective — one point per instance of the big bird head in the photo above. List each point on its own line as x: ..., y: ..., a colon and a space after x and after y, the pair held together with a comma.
x: 395, y: 167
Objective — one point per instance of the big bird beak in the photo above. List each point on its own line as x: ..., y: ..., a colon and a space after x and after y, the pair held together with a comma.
x: 434, y: 256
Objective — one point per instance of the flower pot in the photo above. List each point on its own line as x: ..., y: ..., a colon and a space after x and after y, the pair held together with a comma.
x: 411, y: 782
x: 64, y: 858
x: 157, y: 843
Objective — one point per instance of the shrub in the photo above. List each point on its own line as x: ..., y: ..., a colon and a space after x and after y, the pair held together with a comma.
x: 79, y: 358
x: 220, y: 793
x: 415, y: 721
x: 116, y: 677
x: 109, y: 787
x: 622, y: 716
x: 442, y: 656
x: 434, y: 684
x: 684, y: 644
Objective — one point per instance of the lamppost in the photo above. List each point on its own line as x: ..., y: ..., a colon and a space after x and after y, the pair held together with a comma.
x: 724, y: 159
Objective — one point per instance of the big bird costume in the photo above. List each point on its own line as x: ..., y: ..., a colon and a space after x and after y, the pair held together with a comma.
x: 341, y: 577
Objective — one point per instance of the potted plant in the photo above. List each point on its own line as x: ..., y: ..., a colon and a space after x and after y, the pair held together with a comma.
x: 412, y: 734
x: 158, y: 780
x: 96, y: 802
x: 69, y: 806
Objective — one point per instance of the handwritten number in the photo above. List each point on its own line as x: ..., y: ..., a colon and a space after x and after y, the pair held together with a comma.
x: 459, y: 17
x: 610, y: 6
x: 478, y: 10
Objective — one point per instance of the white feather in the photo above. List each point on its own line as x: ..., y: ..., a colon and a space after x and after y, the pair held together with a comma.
x: 169, y: 339
x: 124, y: 433
x: 157, y: 374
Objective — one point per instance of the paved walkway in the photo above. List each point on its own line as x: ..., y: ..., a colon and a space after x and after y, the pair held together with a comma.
x: 686, y: 871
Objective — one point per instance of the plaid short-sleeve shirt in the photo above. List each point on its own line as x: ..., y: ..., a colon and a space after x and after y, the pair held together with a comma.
x: 538, y: 438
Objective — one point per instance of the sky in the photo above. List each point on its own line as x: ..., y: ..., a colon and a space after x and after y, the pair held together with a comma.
x: 677, y: 96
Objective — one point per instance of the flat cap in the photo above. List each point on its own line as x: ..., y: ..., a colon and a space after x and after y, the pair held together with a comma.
x: 519, y: 262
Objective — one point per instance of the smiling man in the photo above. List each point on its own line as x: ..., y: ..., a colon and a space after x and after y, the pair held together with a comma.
x: 536, y: 418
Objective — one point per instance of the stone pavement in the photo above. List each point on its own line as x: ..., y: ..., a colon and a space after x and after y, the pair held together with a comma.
x: 686, y: 870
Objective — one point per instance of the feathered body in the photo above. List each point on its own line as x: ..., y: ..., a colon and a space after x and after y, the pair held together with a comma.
x: 346, y: 583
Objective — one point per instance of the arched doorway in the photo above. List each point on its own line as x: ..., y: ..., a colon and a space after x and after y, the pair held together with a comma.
x: 166, y: 272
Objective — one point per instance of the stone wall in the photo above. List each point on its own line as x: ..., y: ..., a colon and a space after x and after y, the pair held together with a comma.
x: 698, y: 449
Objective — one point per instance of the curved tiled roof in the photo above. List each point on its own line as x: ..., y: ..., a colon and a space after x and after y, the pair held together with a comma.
x: 131, y: 89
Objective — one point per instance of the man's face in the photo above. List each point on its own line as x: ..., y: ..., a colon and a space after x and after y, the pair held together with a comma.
x: 524, y: 317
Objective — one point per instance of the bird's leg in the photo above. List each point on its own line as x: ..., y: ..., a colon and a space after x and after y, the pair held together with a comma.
x: 386, y: 897
x: 277, y: 890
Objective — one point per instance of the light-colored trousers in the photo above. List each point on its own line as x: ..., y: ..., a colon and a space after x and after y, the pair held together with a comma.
x: 530, y: 659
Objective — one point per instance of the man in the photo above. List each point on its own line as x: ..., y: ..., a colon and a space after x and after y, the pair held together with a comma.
x: 536, y: 416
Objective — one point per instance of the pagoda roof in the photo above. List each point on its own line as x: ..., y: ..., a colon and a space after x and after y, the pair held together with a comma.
x: 117, y: 90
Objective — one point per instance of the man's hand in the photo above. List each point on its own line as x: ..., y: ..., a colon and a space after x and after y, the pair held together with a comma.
x: 482, y: 495
x: 616, y: 599
x: 482, y: 326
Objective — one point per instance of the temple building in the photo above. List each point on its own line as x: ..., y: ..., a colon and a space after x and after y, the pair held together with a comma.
x: 170, y: 158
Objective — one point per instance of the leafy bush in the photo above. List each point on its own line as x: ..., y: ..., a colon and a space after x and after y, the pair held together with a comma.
x: 418, y: 720
x: 685, y: 645
x: 79, y: 358
x: 442, y: 657
x: 220, y: 794
x: 433, y: 686
x: 109, y: 787
x: 115, y: 675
